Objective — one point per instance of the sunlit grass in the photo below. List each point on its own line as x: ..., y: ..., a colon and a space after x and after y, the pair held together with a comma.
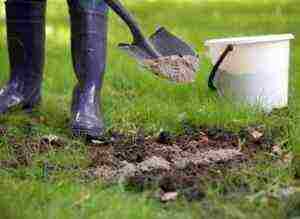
x: 133, y: 99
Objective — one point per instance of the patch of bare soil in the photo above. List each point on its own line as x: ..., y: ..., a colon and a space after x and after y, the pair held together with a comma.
x: 174, y: 163
x: 23, y: 150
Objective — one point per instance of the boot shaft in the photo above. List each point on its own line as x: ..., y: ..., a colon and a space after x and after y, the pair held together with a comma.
x: 89, y: 45
x: 88, y: 42
x: 25, y: 38
x: 96, y: 5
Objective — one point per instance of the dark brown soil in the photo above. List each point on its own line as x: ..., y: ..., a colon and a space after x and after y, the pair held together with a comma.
x: 174, y: 163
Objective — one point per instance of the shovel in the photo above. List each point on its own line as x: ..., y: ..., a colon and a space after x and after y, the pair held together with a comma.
x: 165, y: 54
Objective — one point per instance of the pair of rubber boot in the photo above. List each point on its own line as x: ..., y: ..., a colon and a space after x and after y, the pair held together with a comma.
x: 26, y: 38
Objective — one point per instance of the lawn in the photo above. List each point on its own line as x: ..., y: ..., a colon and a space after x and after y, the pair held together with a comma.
x: 133, y: 99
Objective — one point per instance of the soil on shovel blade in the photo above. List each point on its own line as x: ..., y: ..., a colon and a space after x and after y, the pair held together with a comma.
x: 174, y: 163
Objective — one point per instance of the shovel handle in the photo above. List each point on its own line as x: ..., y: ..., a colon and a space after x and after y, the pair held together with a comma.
x: 215, y: 69
x: 138, y: 36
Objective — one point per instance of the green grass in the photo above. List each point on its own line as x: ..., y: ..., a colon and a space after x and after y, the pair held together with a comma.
x: 134, y: 99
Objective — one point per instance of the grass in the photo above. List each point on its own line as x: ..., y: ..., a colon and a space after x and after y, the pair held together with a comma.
x: 134, y: 99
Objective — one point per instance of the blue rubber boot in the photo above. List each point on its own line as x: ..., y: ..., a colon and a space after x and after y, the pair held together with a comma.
x: 25, y: 38
x: 88, y: 44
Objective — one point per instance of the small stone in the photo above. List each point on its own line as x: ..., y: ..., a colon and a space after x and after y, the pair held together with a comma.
x: 181, y: 164
x: 154, y: 163
x: 169, y: 196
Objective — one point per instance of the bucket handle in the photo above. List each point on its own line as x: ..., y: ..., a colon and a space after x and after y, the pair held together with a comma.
x: 215, y: 69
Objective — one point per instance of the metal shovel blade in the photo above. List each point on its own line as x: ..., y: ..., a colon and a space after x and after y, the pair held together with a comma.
x: 178, y: 61
x: 166, y: 43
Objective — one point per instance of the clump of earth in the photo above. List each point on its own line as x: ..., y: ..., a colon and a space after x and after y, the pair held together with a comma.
x: 174, y: 163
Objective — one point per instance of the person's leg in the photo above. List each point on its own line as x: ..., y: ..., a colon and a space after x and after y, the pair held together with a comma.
x: 25, y: 38
x: 88, y: 42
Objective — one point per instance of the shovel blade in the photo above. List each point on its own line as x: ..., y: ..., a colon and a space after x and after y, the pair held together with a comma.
x: 178, y: 62
x: 164, y: 42
x: 167, y: 44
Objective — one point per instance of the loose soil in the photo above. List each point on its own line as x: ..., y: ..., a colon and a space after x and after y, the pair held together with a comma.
x: 174, y: 163
x: 171, y: 163
x: 179, y: 69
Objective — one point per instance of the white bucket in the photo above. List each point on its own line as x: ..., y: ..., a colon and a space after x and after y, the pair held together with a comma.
x: 256, y: 72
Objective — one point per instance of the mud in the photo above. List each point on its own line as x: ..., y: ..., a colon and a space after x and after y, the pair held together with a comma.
x: 174, y: 163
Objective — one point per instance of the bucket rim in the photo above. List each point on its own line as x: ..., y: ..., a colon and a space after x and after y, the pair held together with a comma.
x: 251, y: 39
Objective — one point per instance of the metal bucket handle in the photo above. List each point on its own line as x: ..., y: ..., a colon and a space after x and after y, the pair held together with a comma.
x: 215, y: 69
